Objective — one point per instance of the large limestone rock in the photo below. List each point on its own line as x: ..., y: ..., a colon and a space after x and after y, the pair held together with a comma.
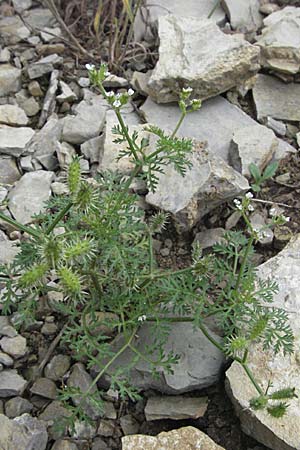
x: 199, y: 365
x: 280, y: 40
x: 24, y: 432
x: 215, y: 122
x: 276, y: 99
x: 13, y: 141
x: 10, y: 79
x: 244, y: 15
x: 29, y: 195
x: 283, y: 433
x: 198, y: 54
x: 187, y: 438
x: 209, y: 183
x: 145, y: 24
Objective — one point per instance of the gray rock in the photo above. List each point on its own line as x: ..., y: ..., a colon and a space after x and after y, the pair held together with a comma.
x: 209, y: 183
x: 44, y: 388
x: 3, y: 191
x: 44, y: 66
x: 175, y: 408
x: 4, y: 55
x: 92, y: 149
x: 13, y: 30
x: 35, y: 89
x: 45, y: 142
x: 277, y: 126
x: 88, y: 122
x: 49, y: 329
x: 12, y: 115
x: 215, y: 123
x: 276, y: 99
x: 54, y: 411
x: 8, y: 251
x: 200, y: 9
x: 244, y: 15
x: 24, y: 432
x: 198, y: 54
x: 14, y: 346
x: 22, y: 5
x: 183, y: 438
x: 17, y: 406
x: 199, y: 365
x: 64, y: 445
x: 65, y: 154
x: 10, y: 79
x: 82, y: 380
x: 13, y: 141
x: 252, y: 145
x: 279, y: 41
x: 129, y: 424
x: 48, y: 34
x: 84, y: 430
x: 6, y: 360
x: 67, y: 95
x: 40, y: 18
x: 208, y: 238
x: 283, y: 433
x: 11, y: 384
x: 29, y: 195
x: 6, y: 329
x: 99, y: 444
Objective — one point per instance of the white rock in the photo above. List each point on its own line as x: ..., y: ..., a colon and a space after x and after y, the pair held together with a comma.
x: 196, y: 53
x: 244, y: 15
x: 29, y: 195
x: 10, y: 79
x: 13, y: 141
x: 4, y: 55
x: 22, y: 5
x: 65, y: 153
x: 283, y: 433
x: 277, y: 126
x: 12, y: 115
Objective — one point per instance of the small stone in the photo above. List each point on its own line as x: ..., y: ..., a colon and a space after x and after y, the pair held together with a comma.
x: 64, y: 445
x: 209, y: 238
x: 12, y: 115
x: 3, y: 192
x: 6, y: 329
x: 6, y: 360
x: 106, y: 428
x: 59, y: 188
x: 13, y: 141
x: 11, y: 384
x: 10, y: 80
x: 244, y: 15
x: 109, y: 411
x: 30, y: 106
x: 57, y: 367
x: 258, y: 222
x: 21, y: 5
x: 165, y: 252
x: 4, y: 55
x: 54, y: 411
x: 113, y: 81
x: 35, y: 89
x: 44, y: 66
x: 65, y: 154
x: 92, y: 149
x: 175, y: 408
x: 49, y: 328
x: 84, y: 430
x: 84, y: 82
x: 99, y: 444
x: 14, y: 346
x: 67, y: 95
x: 277, y: 126
x: 44, y: 388
x: 48, y: 34
x: 268, y: 8
x: 17, y: 406
x: 129, y: 425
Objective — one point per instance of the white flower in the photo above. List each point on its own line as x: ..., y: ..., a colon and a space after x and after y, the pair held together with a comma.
x: 130, y: 92
x: 238, y: 204
x: 110, y: 94
x: 142, y: 318
x: 187, y: 90
x: 249, y: 195
x: 285, y: 218
x: 272, y: 212
x: 117, y: 104
x: 250, y: 208
x: 90, y: 67
x: 107, y: 73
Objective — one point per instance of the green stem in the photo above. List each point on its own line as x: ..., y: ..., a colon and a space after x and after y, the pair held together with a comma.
x: 218, y: 2
x: 155, y: 276
x: 132, y: 147
x: 210, y: 338
x: 252, y: 379
x: 20, y: 226
x: 151, y: 255
x: 244, y: 262
x: 183, y: 114
x: 59, y: 217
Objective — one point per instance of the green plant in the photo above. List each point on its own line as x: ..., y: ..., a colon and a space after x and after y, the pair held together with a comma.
x: 260, y: 177
x: 95, y: 249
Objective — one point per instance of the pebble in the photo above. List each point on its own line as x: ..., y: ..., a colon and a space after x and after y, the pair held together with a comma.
x: 49, y: 328
x: 14, y: 346
x: 45, y: 388
x: 11, y: 383
x: 129, y: 424
x: 6, y: 360
x: 57, y: 367
x: 17, y: 406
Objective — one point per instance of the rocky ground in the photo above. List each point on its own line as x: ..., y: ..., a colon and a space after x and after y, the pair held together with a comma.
x: 244, y: 63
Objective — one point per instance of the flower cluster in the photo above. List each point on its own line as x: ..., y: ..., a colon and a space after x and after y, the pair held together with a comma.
x: 278, y: 219
x: 117, y: 100
x: 185, y: 103
x: 244, y: 204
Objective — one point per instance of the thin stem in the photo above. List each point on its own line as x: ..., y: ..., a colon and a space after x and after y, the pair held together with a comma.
x: 210, y: 338
x: 213, y: 9
x: 183, y: 114
x: 132, y: 147
x: 20, y: 226
x: 252, y: 379
x: 155, y: 276
x: 151, y: 255
x: 59, y: 217
x: 244, y: 262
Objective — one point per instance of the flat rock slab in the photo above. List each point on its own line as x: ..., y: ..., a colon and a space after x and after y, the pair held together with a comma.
x: 244, y: 15
x: 215, y: 123
x: 196, y: 53
x: 209, y: 183
x: 29, y: 195
x: 280, y: 41
x: 187, y: 438
x: 175, y: 407
x: 12, y: 115
x: 283, y: 433
x: 11, y: 384
x: 24, y: 432
x: 199, y: 9
x: 276, y: 99
x: 13, y: 141
x: 199, y: 365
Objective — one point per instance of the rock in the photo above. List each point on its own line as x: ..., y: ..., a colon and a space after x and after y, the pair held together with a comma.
x: 253, y: 145
x: 64, y: 445
x: 40, y: 18
x: 109, y: 410
x: 35, y: 89
x: 106, y: 428
x: 277, y: 126
x: 276, y: 99
x: 3, y: 191
x: 44, y: 388
x: 13, y: 141
x: 44, y: 66
x: 55, y: 410
x: 8, y: 251
x: 29, y: 104
x: 10, y: 79
x: 88, y: 122
x: 82, y: 380
x: 6, y: 360
x: 6, y: 329
x: 4, y: 55
x: 98, y: 323
x: 11, y: 384
x: 175, y: 408
x: 48, y: 34
x: 283, y: 433
x: 67, y: 95
x: 209, y: 238
x: 129, y: 425
x: 99, y: 444
x: 13, y: 30
x: 147, y: 29
x: 84, y: 430
x: 22, y: 5
x: 24, y: 432
x: 92, y: 149
x: 65, y: 154
x: 199, y: 365
x: 57, y: 367
x: 196, y: 53
x: 29, y: 195
x: 14, y: 346
x: 12, y: 115
x: 17, y: 406
x: 279, y: 41
x: 244, y: 15
x: 209, y: 183
x: 112, y: 81
x: 199, y: 125
x: 187, y: 438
